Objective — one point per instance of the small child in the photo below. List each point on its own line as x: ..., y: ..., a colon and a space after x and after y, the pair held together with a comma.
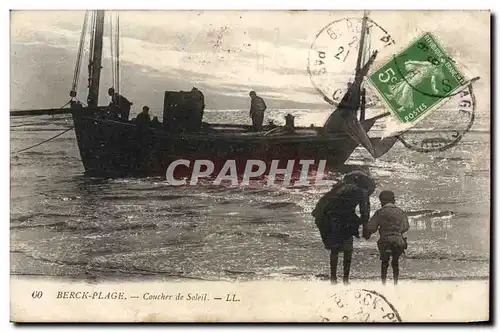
x: 391, y: 222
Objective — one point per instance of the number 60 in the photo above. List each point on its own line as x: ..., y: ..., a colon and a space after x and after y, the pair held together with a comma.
x: 37, y: 294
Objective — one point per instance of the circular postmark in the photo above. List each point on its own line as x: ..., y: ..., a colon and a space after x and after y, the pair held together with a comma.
x: 333, y: 59
x: 445, y: 126
x: 333, y: 55
x: 360, y: 305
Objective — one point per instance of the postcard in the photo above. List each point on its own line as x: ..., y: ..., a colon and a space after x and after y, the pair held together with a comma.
x: 250, y: 166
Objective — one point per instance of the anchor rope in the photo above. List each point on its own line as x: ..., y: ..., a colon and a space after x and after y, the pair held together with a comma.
x: 42, y: 142
x: 47, y: 140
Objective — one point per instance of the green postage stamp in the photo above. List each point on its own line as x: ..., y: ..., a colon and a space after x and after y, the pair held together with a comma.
x: 417, y: 80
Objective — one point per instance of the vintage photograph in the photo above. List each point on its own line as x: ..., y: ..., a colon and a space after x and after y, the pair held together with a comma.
x: 250, y: 166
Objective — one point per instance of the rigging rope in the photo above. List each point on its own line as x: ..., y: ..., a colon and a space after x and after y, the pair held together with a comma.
x: 114, y: 37
x: 117, y: 52
x: 76, y: 74
x: 113, y: 78
x: 91, y: 53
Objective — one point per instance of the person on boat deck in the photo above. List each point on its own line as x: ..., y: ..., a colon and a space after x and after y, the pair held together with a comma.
x: 257, y: 109
x: 119, y: 105
x: 155, y: 123
x: 143, y: 119
x: 198, y: 98
x: 198, y: 105
x: 391, y: 222
x: 336, y: 219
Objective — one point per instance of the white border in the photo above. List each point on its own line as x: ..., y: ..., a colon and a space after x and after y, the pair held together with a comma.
x: 255, y: 4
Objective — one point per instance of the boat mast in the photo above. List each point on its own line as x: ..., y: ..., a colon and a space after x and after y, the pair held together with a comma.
x: 361, y: 60
x: 96, y: 60
x: 361, y: 44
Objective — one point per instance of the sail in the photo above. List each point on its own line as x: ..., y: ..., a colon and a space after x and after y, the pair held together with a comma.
x: 377, y: 147
x: 344, y: 118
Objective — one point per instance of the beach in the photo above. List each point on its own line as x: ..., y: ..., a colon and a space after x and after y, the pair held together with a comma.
x: 66, y: 224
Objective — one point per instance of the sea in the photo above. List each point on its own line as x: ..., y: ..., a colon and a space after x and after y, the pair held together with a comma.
x: 68, y: 225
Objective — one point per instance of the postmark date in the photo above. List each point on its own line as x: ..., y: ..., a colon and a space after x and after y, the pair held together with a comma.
x: 360, y: 306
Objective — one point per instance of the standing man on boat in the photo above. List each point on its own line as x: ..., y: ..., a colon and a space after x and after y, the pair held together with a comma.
x: 143, y: 119
x: 120, y: 105
x: 198, y: 106
x: 257, y: 109
x: 391, y: 223
x: 336, y: 219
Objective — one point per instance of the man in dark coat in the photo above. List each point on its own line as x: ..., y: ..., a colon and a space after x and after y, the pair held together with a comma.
x: 120, y: 105
x: 257, y: 108
x: 336, y: 219
x: 143, y: 119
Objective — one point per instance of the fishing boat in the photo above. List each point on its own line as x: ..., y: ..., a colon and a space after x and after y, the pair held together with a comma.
x: 111, y: 147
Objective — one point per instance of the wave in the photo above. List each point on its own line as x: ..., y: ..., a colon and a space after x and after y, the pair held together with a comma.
x: 45, y: 153
x: 429, y: 213
x: 26, y: 217
x: 440, y: 255
x: 88, y: 226
x: 58, y: 226
x: 88, y: 267
x: 143, y: 198
x: 39, y: 129
x: 278, y: 205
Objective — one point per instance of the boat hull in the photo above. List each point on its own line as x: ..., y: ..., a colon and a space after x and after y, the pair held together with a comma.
x: 117, y: 149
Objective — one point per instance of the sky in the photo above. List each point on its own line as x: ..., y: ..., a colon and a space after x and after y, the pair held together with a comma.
x: 225, y: 54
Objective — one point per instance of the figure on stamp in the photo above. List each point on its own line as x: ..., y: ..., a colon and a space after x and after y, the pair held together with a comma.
x: 120, y: 106
x: 257, y: 109
x: 391, y: 223
x: 417, y: 72
x: 337, y: 221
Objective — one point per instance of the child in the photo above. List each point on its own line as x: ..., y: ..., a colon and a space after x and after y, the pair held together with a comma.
x: 391, y: 222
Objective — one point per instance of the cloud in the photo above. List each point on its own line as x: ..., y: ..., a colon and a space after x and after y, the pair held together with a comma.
x: 214, y: 48
x: 230, y: 52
